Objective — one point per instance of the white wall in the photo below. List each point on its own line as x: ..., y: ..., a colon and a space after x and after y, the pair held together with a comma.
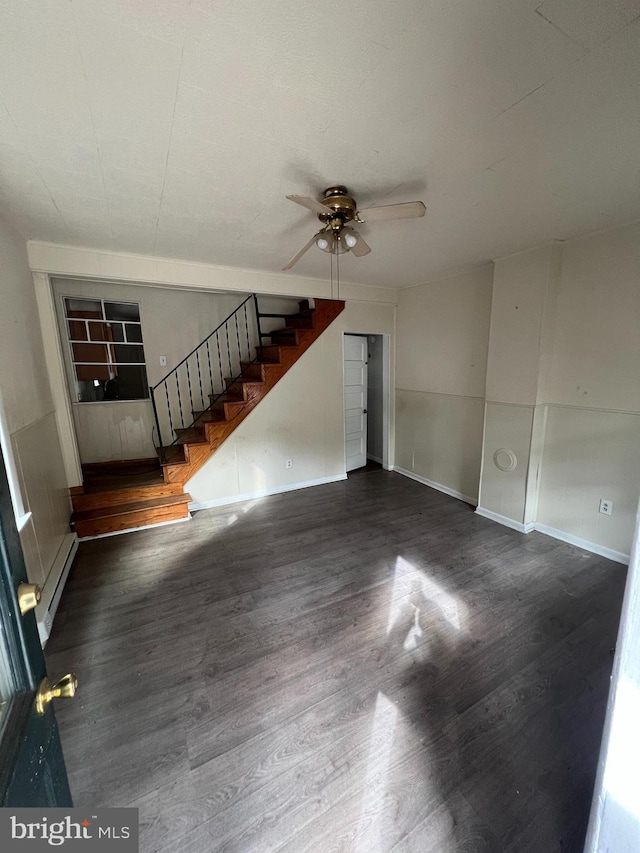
x: 441, y: 343
x: 592, y: 441
x: 301, y: 419
x: 523, y: 308
x: 561, y: 325
x: 30, y: 415
x: 563, y: 390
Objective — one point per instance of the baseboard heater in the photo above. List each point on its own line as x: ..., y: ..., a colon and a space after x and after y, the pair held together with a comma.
x: 46, y: 610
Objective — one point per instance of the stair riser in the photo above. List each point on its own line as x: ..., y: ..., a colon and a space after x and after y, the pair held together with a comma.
x: 141, y: 518
x: 286, y: 338
x: 252, y: 371
x: 269, y: 355
x: 243, y: 390
x: 224, y: 411
x: 217, y: 433
x: 300, y: 322
x: 209, y: 416
x: 234, y: 390
x: 218, y: 405
x: 93, y: 500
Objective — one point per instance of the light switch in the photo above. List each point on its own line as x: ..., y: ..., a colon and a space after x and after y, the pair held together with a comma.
x: 163, y: 361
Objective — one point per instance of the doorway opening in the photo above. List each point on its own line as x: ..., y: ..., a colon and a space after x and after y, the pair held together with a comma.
x: 366, y: 400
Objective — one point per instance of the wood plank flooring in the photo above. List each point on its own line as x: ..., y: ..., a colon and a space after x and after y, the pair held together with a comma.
x: 363, y: 666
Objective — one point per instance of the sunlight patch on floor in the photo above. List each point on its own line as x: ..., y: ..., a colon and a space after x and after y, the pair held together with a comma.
x: 369, y: 832
x: 411, y: 585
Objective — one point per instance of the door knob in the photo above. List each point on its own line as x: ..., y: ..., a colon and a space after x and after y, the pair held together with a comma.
x: 65, y: 688
x: 29, y: 595
x: 364, y: 411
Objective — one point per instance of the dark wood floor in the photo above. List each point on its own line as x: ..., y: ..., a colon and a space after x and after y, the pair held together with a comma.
x: 363, y: 666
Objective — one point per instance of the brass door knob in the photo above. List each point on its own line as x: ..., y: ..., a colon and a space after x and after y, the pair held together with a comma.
x: 29, y: 595
x: 65, y: 688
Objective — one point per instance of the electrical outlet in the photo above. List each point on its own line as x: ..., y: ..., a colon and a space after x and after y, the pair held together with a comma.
x: 163, y: 361
x: 288, y: 463
x: 606, y: 507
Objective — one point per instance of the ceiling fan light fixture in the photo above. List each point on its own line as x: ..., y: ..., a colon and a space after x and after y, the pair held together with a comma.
x: 331, y: 243
x: 350, y: 238
x: 339, y: 247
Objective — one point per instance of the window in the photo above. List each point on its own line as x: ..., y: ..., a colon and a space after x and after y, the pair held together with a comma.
x: 105, y: 341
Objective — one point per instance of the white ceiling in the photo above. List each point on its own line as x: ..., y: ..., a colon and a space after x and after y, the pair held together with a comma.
x: 175, y: 128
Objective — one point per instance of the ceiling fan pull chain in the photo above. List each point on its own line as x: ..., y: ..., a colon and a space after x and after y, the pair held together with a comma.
x: 331, y: 267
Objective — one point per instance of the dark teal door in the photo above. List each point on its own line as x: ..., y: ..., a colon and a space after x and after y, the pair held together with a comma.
x: 32, y: 771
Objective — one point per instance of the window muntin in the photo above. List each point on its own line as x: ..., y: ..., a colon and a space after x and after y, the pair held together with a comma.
x: 106, y: 349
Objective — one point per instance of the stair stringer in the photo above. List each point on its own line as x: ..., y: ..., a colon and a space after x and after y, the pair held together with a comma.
x: 217, y: 432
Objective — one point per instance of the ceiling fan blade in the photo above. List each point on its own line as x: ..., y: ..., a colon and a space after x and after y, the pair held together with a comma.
x: 361, y: 247
x: 406, y: 210
x: 294, y: 260
x: 309, y: 203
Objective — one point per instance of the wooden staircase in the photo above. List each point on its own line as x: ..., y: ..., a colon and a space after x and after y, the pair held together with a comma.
x: 116, y: 497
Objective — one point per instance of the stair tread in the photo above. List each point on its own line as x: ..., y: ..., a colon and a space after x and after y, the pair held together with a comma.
x: 115, y: 497
x: 127, y: 476
x: 225, y: 397
x: 193, y: 435
x: 244, y: 381
x: 124, y: 509
x: 209, y: 416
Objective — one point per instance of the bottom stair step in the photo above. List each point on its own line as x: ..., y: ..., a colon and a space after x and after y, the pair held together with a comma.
x: 114, y: 519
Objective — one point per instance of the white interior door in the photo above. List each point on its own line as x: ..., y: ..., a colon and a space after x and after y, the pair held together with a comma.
x: 355, y: 400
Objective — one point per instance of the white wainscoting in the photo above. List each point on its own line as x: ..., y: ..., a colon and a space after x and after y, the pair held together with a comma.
x: 110, y: 432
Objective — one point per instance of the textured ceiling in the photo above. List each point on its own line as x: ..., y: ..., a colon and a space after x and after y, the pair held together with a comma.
x: 175, y: 128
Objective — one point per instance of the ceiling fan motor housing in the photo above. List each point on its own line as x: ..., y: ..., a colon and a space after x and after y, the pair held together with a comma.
x: 340, y: 206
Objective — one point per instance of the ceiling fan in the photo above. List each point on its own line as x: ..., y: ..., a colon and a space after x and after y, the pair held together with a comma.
x: 336, y: 209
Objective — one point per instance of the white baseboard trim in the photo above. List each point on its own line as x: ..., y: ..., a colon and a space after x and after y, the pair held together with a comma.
x: 374, y: 458
x: 134, y: 529
x: 263, y: 493
x: 562, y: 535
x: 585, y: 544
x: 54, y: 585
x: 433, y: 485
x: 505, y: 520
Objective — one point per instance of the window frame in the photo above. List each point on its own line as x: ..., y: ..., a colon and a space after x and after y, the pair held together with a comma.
x: 109, y: 345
